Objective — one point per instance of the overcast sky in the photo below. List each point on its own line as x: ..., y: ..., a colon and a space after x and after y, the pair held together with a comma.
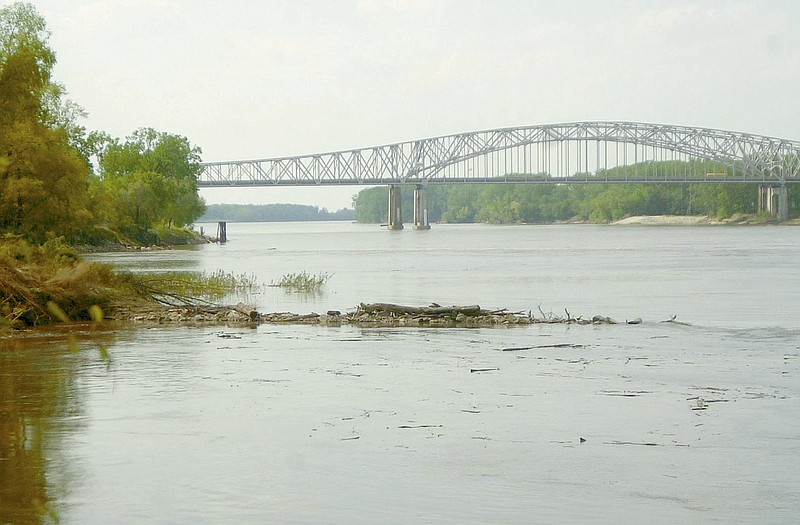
x: 254, y: 79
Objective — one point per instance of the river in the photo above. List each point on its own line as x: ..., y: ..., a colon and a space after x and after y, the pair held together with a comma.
x: 694, y: 421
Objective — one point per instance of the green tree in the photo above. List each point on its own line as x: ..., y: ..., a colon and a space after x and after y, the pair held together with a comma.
x: 149, y: 179
x: 372, y: 205
x: 43, y: 178
x: 461, y: 203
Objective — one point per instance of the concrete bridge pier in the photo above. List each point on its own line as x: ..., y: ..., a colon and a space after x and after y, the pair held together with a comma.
x: 774, y: 199
x: 395, y: 208
x: 421, y: 208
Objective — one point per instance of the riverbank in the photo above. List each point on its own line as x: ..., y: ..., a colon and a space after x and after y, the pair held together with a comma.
x: 160, y: 239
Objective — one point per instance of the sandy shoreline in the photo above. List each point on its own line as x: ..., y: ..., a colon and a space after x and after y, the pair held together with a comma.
x: 668, y: 220
x: 698, y: 220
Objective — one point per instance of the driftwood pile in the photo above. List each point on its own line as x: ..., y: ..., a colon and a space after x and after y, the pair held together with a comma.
x: 433, y: 315
x: 469, y: 316
x: 374, y: 314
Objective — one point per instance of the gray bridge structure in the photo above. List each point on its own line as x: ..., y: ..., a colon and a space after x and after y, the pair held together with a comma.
x: 566, y: 153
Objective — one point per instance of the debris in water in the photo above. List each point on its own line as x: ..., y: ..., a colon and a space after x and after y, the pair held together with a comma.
x: 672, y: 320
x: 375, y: 314
x: 624, y: 393
x: 555, y: 345
x: 644, y: 443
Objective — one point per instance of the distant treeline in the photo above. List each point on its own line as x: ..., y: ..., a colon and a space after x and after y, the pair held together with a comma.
x: 544, y: 203
x: 273, y: 213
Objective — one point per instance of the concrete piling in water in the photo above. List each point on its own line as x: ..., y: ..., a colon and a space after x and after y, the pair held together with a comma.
x: 421, y: 208
x: 395, y: 208
x: 783, y: 203
x: 774, y: 199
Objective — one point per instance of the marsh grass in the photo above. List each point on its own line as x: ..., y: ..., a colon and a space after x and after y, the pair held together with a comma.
x: 302, y: 282
x: 46, y: 284
x: 182, y: 289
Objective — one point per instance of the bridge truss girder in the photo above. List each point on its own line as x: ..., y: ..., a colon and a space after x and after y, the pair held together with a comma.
x: 578, y: 152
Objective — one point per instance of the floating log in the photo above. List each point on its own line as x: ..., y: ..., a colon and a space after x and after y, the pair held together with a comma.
x: 425, y: 311
x: 246, y: 310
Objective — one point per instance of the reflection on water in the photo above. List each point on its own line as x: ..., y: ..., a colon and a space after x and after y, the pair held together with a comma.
x: 306, y: 424
x: 41, y: 403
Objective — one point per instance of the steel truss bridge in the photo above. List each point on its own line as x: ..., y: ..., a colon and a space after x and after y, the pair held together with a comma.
x: 567, y: 153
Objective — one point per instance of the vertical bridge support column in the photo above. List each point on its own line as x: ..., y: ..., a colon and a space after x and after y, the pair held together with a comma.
x: 395, y: 208
x: 774, y: 199
x: 782, y: 213
x: 421, y: 208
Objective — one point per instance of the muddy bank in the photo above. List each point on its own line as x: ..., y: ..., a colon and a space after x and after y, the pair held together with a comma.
x: 369, y: 315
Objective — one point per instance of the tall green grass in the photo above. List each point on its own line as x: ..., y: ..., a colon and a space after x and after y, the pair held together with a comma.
x: 302, y: 282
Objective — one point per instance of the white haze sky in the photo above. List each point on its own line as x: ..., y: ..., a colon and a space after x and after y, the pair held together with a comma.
x: 254, y: 79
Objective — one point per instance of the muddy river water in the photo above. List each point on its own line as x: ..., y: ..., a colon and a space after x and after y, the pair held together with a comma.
x: 692, y: 422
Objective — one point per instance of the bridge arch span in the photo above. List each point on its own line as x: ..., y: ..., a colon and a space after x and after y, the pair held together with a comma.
x: 576, y: 152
